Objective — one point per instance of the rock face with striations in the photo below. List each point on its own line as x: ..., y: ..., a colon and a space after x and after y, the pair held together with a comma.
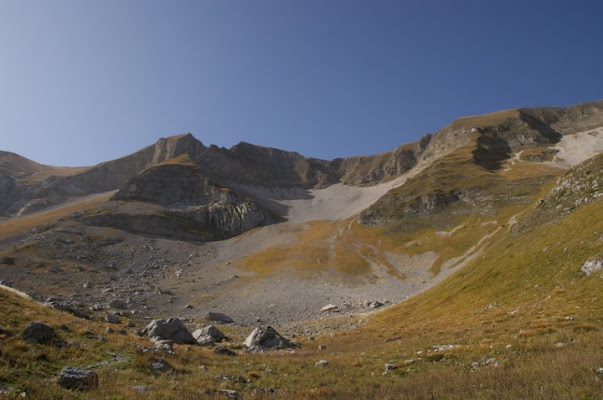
x: 187, y: 204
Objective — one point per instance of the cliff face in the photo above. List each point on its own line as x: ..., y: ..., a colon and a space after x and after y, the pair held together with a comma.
x: 178, y: 201
x: 467, y: 175
x: 181, y: 173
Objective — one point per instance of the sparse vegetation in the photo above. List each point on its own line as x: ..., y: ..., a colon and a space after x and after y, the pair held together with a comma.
x: 515, y: 317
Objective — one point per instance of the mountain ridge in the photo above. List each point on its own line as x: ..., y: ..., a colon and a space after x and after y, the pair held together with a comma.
x: 498, y: 135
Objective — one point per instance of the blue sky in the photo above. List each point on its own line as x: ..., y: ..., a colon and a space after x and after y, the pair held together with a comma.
x: 86, y: 81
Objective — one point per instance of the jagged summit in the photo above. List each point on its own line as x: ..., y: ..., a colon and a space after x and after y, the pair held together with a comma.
x: 494, y: 138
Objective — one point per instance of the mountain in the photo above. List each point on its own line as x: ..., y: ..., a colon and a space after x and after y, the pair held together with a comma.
x: 467, y: 263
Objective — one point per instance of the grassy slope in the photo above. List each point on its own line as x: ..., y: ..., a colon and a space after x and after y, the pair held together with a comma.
x: 15, y: 226
x: 524, y: 291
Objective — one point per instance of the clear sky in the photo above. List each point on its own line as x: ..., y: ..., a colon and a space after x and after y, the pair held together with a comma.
x: 85, y: 81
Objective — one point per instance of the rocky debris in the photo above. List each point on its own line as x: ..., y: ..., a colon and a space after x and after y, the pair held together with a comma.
x: 118, y: 304
x: 322, y: 363
x: 112, y: 319
x: 230, y: 378
x: 7, y: 261
x: 443, y: 347
x: 490, y: 361
x: 390, y: 367
x: 230, y: 394
x: 375, y: 304
x: 208, y: 335
x: 266, y: 339
x: 329, y: 308
x: 224, y: 351
x: 592, y: 266
x: 70, y: 306
x: 140, y: 388
x: 161, y: 366
x: 173, y: 329
x: 79, y: 379
x: 322, y: 347
x: 218, y: 317
x: 38, y: 332
x: 161, y: 346
x: 165, y: 346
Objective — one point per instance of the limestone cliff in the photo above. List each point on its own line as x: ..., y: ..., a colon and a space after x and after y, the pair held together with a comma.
x: 174, y: 199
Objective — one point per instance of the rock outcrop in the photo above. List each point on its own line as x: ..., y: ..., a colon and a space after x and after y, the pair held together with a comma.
x: 78, y: 379
x: 173, y: 329
x: 266, y: 339
x: 209, y: 335
x: 38, y: 332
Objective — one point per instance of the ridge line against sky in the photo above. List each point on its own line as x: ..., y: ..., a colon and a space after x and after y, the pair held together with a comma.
x: 82, y: 82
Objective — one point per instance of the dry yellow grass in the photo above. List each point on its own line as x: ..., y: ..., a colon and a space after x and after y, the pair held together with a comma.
x: 15, y: 226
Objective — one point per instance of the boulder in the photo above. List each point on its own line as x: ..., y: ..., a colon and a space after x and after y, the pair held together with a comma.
x: 329, y: 308
x: 229, y: 394
x: 118, y: 304
x: 322, y: 363
x: 173, y: 329
x: 265, y: 339
x: 166, y: 346
x: 218, y: 317
x: 79, y: 379
x: 208, y: 335
x: 38, y: 332
x: 592, y: 266
x: 7, y: 261
x: 112, y: 319
x: 161, y: 366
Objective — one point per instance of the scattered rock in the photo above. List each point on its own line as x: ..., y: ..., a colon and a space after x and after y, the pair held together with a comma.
x: 218, y: 317
x: 166, y: 346
x: 112, y: 319
x: 79, y: 379
x: 38, y: 332
x: 140, y: 388
x: 161, y: 365
x: 172, y: 329
x: 376, y: 304
x: 390, y: 367
x: 230, y: 394
x: 188, y: 306
x: 208, y: 335
x: 329, y: 308
x: 592, y: 266
x: 7, y: 261
x: 118, y: 304
x: 322, y: 347
x: 224, y: 351
x: 265, y: 339
x: 322, y: 363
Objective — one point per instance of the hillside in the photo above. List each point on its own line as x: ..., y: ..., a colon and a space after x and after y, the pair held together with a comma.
x: 520, y: 321
x: 464, y: 265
